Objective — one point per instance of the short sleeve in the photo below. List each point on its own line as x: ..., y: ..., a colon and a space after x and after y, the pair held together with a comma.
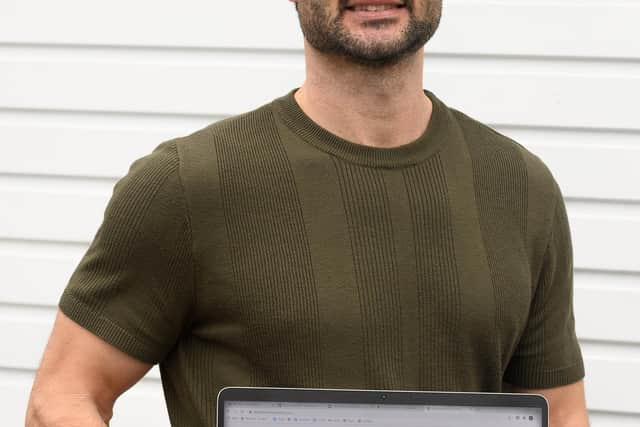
x: 548, y: 354
x: 134, y: 286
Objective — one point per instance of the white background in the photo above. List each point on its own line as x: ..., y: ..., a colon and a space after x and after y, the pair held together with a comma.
x: 86, y: 87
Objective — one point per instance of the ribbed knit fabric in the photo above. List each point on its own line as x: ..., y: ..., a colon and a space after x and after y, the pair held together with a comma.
x: 265, y: 250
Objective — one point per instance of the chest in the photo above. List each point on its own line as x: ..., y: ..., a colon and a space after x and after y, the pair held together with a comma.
x: 384, y: 263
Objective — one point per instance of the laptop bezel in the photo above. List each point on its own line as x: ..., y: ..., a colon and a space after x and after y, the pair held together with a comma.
x: 392, y: 397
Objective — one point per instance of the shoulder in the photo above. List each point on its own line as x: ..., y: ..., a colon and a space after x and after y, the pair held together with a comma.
x: 511, y: 182
x: 497, y: 153
x: 208, y: 153
x: 231, y: 130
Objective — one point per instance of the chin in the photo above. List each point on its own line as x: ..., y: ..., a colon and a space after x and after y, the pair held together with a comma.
x: 386, y: 30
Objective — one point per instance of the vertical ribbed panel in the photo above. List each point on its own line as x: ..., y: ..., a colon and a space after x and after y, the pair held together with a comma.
x: 438, y: 284
x: 371, y: 232
x: 500, y: 180
x: 190, y: 397
x: 270, y: 254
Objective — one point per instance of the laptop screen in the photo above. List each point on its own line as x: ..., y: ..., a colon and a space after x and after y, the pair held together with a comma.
x: 298, y: 414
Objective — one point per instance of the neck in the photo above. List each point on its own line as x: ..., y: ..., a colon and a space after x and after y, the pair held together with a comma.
x: 379, y: 107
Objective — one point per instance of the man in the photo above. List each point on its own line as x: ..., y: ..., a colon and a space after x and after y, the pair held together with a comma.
x: 354, y: 233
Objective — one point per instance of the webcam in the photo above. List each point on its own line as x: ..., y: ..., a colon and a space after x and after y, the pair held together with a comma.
x: 384, y: 397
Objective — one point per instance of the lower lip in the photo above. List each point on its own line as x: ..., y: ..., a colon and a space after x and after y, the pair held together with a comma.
x: 378, y: 14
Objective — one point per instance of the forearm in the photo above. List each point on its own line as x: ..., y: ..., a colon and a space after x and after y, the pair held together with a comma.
x: 68, y: 410
x: 578, y: 418
x: 567, y: 404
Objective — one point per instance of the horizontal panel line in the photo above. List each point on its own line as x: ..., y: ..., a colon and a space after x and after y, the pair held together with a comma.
x: 547, y: 128
x: 619, y: 273
x: 64, y: 242
x: 130, y: 115
x: 619, y: 345
x: 61, y: 177
x: 506, y: 57
x: 20, y: 372
x: 629, y: 203
x: 580, y: 129
x: 241, y: 50
x: 298, y: 52
x: 602, y: 412
x: 610, y: 289
x: 73, y: 244
x: 30, y: 307
x: 16, y: 370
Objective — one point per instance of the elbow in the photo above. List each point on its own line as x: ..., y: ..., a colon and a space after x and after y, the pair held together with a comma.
x: 36, y: 415
x: 68, y: 410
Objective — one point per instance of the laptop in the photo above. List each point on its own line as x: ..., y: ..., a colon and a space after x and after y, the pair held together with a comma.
x: 291, y: 407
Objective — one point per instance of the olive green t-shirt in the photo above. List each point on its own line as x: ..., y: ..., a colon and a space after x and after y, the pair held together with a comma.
x: 264, y: 250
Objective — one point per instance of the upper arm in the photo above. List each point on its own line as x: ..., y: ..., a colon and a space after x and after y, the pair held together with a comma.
x: 130, y: 297
x: 134, y: 287
x: 548, y: 354
x: 567, y: 404
x: 547, y: 360
x: 77, y: 363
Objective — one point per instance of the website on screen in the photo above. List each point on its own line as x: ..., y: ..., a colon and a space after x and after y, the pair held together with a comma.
x: 290, y: 414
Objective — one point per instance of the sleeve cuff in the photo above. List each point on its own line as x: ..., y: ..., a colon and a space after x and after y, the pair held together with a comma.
x: 520, y: 374
x: 109, y: 331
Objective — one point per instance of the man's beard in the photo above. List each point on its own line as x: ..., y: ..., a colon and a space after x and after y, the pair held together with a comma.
x: 330, y: 36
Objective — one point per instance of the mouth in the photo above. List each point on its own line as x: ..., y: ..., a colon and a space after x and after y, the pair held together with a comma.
x: 365, y: 10
x: 374, y: 7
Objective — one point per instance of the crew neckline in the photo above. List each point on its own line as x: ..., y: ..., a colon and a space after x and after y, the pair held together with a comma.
x: 407, y: 154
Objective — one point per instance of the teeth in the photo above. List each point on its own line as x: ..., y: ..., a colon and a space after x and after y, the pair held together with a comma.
x: 373, y: 8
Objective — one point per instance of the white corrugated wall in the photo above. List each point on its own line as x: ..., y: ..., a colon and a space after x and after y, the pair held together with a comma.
x: 86, y: 87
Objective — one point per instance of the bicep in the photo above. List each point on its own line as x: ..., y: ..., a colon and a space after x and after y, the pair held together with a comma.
x: 78, y: 363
